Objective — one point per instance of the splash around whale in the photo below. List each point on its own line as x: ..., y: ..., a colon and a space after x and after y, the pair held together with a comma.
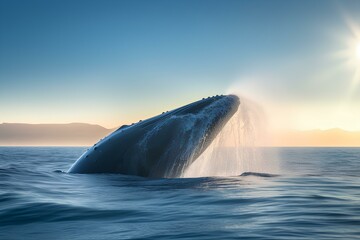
x: 162, y: 146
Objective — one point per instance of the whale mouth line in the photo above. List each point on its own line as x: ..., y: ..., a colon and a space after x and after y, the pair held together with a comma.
x: 163, y: 145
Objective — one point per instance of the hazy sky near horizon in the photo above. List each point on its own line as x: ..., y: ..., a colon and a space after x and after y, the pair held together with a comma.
x: 115, y: 62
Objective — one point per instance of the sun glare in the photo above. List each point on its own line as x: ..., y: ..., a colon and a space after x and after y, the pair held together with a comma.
x: 350, y: 55
x: 358, y: 51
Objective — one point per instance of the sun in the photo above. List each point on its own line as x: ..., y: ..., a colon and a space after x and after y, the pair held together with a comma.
x: 358, y: 51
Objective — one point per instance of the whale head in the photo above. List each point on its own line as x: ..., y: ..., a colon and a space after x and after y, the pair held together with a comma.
x: 161, y: 146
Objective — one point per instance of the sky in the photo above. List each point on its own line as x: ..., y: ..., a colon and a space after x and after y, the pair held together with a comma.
x: 116, y: 62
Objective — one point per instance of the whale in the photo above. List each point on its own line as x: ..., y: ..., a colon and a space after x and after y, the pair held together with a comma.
x: 162, y: 146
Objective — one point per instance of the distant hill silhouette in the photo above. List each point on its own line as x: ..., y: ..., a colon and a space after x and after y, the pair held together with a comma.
x: 80, y: 134
x: 320, y: 138
x: 83, y: 134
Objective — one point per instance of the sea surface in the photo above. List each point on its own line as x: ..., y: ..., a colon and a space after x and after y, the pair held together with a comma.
x: 314, y: 195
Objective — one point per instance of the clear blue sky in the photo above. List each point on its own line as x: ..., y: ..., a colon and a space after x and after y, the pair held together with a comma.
x: 113, y: 62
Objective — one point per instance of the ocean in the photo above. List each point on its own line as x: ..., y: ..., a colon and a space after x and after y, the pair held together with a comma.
x: 315, y: 194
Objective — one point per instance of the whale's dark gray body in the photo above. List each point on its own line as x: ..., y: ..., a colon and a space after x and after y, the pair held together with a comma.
x: 161, y: 146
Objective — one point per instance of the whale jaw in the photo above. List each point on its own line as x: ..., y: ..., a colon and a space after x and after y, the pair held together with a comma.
x: 162, y: 146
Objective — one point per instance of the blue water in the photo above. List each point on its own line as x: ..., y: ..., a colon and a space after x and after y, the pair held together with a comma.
x: 315, y: 195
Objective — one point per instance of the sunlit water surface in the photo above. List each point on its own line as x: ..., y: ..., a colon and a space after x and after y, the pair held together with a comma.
x: 315, y: 194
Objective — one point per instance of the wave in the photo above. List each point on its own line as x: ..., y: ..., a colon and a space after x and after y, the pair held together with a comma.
x: 53, y: 212
x: 256, y: 174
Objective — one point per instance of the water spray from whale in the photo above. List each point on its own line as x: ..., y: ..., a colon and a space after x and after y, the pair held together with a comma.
x: 171, y: 144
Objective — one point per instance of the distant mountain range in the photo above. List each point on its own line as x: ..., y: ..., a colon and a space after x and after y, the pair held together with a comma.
x: 78, y: 134
x: 320, y: 138
x: 82, y: 134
